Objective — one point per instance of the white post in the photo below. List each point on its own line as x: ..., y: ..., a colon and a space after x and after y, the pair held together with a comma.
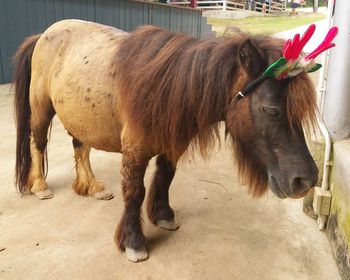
x: 336, y: 110
x: 315, y: 6
x: 224, y: 5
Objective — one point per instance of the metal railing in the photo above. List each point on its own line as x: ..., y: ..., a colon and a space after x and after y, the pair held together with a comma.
x: 213, y: 4
x: 272, y: 6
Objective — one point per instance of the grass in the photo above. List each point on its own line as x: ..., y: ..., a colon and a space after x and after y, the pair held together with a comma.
x: 264, y: 24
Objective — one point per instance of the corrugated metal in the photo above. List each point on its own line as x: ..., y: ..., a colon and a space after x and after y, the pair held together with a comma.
x: 22, y: 18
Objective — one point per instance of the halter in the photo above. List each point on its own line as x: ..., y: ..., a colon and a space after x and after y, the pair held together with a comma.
x: 249, y: 88
x: 293, y: 61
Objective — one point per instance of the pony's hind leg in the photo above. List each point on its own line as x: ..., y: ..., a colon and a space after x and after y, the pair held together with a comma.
x: 40, y: 121
x: 85, y: 182
x: 158, y: 209
x: 36, y: 178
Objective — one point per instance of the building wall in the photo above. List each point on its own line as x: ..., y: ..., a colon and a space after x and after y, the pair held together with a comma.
x: 338, y: 226
x: 22, y: 18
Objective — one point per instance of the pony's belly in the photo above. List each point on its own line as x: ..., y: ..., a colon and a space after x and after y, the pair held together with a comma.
x: 94, y: 128
x: 74, y: 67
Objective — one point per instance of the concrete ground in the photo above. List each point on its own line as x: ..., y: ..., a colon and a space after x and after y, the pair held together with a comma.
x: 224, y: 233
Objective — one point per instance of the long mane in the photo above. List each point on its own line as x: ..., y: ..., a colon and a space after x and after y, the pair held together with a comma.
x: 176, y: 89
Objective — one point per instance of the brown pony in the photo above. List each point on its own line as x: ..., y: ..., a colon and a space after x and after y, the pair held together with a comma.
x: 156, y: 93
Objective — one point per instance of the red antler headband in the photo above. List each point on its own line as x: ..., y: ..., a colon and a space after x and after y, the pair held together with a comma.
x: 294, y: 61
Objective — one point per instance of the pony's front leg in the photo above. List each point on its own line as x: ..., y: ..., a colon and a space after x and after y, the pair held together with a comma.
x: 86, y: 183
x: 158, y: 208
x: 129, y: 235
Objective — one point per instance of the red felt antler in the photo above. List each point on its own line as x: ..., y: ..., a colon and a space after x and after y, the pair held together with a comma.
x: 292, y: 49
x: 325, y: 45
x: 295, y: 62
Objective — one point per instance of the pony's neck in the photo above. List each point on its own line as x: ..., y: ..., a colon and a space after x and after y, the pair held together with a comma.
x: 174, y: 87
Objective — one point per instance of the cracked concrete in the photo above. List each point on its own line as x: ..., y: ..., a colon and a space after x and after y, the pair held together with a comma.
x: 224, y: 233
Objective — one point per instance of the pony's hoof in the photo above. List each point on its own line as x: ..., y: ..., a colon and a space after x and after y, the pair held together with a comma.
x: 168, y: 225
x: 139, y: 255
x: 46, y: 194
x: 103, y: 195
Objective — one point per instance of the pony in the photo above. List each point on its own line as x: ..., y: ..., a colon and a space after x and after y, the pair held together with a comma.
x: 152, y: 93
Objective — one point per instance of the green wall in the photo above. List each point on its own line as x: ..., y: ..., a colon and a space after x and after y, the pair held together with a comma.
x: 22, y: 18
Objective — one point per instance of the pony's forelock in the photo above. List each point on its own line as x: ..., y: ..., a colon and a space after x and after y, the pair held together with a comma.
x: 301, y: 103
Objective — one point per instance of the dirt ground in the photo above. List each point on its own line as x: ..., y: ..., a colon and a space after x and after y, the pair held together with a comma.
x: 224, y: 233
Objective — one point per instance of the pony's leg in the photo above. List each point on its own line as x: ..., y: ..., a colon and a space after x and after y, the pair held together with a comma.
x: 86, y: 183
x: 129, y: 235
x: 158, y: 208
x: 39, y: 124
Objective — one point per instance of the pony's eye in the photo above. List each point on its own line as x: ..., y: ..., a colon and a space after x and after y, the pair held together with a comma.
x: 271, y: 111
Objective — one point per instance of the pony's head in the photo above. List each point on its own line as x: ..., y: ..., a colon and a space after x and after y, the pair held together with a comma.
x: 266, y: 119
x: 269, y: 143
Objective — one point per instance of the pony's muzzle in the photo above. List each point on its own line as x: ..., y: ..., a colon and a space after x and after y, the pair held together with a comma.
x: 300, y: 184
x: 300, y: 187
x: 294, y: 185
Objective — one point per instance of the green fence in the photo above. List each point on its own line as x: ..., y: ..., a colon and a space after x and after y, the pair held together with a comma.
x: 21, y: 18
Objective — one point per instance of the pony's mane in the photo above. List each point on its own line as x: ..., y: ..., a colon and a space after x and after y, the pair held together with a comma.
x: 176, y: 89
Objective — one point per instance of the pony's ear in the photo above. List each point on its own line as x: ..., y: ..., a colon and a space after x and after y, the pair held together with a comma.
x: 250, y: 57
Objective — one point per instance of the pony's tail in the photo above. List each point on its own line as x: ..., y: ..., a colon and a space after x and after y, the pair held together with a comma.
x: 21, y: 80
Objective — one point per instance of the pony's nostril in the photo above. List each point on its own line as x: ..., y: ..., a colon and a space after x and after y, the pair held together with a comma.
x: 301, y: 185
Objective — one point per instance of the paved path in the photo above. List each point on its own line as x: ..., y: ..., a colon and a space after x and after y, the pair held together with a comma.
x: 224, y: 234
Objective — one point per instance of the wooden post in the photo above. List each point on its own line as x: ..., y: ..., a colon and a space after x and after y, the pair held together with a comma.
x: 193, y: 3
